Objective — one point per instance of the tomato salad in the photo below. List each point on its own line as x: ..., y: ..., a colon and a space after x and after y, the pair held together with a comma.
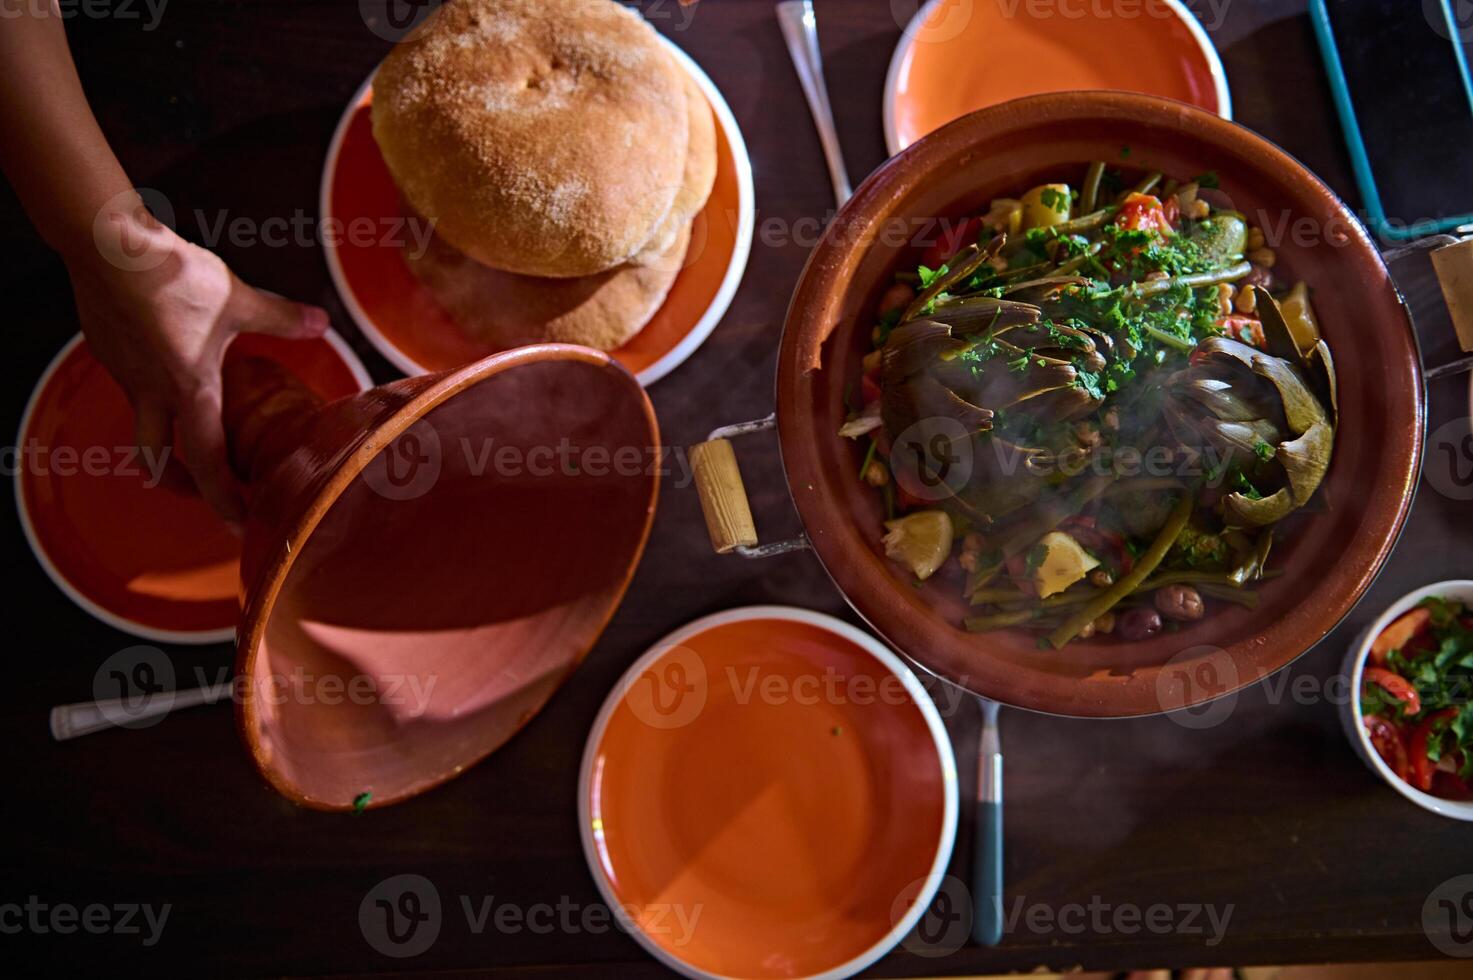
x: 1415, y: 697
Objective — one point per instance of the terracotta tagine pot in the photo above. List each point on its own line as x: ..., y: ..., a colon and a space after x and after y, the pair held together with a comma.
x: 1325, y: 565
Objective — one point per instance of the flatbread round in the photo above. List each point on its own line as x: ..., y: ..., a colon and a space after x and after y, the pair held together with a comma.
x: 506, y: 310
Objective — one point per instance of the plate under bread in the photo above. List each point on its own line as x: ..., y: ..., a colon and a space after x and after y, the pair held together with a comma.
x: 360, y: 205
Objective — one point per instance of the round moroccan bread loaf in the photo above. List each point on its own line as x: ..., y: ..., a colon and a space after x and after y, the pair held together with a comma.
x: 542, y: 137
x: 698, y: 179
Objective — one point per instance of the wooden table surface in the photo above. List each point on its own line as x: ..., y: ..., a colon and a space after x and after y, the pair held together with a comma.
x: 227, y: 106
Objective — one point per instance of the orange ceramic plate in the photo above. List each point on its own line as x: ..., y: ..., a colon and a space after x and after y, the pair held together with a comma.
x: 958, y: 56
x: 768, y: 792
x: 139, y: 557
x: 400, y: 318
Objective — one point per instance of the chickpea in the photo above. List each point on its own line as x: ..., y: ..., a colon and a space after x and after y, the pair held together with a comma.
x: 1105, y: 623
x: 1255, y: 238
x: 897, y: 297
x: 1101, y: 578
x: 876, y: 474
x: 1247, y: 300
x: 1179, y: 602
x: 1224, y: 298
x: 1086, y: 631
x: 1197, y: 210
x: 1262, y: 256
x: 871, y: 362
x: 1139, y: 623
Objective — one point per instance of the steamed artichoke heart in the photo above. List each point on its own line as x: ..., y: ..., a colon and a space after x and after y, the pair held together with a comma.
x: 1021, y: 365
x: 928, y: 372
x: 1254, y: 413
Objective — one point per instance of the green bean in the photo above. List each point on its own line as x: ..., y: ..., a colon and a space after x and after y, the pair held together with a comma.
x: 1149, y: 184
x: 982, y: 596
x: 1073, y: 265
x: 1127, y: 583
x: 992, y: 621
x: 1090, y: 191
x: 1169, y: 339
x: 1230, y: 593
x: 1154, y: 287
x: 868, y: 456
x: 1083, y: 223
x: 1189, y: 578
x: 978, y: 581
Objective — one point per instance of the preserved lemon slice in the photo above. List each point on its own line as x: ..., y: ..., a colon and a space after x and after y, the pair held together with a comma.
x: 920, y: 541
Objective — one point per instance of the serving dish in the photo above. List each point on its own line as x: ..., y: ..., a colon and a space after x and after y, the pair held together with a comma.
x: 399, y: 317
x: 952, y: 59
x: 1326, y: 566
x: 768, y: 792
x: 143, y: 559
x: 1354, y: 720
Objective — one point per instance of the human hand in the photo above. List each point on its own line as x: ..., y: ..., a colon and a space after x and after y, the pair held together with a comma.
x: 159, y: 312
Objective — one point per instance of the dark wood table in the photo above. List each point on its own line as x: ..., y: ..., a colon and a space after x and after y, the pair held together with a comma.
x: 227, y: 107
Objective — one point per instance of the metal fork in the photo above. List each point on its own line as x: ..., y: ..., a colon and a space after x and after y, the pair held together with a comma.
x: 800, y: 29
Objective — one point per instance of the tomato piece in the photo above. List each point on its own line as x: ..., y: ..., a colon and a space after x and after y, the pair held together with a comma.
x: 1397, y: 686
x: 869, y: 389
x: 1017, y: 566
x: 1244, y: 329
x: 1400, y: 633
x: 1422, y: 767
x: 1172, y: 210
x: 1450, y: 786
x: 907, y: 500
x: 1143, y: 212
x: 952, y: 238
x: 1446, y: 781
x: 1388, y: 744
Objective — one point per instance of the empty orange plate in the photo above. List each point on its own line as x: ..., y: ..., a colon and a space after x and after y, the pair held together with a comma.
x: 957, y: 56
x: 768, y: 792
x: 139, y: 557
x: 361, y: 207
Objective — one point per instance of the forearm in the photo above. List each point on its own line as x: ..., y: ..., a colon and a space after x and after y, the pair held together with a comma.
x: 51, y: 148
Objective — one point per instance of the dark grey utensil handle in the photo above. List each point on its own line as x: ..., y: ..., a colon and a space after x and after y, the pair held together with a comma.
x: 987, y: 918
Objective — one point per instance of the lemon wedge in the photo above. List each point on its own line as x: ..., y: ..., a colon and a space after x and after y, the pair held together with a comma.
x: 920, y: 541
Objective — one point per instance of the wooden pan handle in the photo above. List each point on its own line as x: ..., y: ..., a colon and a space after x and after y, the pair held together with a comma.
x: 723, y: 497
x: 1454, y: 266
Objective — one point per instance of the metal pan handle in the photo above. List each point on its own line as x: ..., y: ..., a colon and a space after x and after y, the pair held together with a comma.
x: 1452, y: 262
x: 724, y: 496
